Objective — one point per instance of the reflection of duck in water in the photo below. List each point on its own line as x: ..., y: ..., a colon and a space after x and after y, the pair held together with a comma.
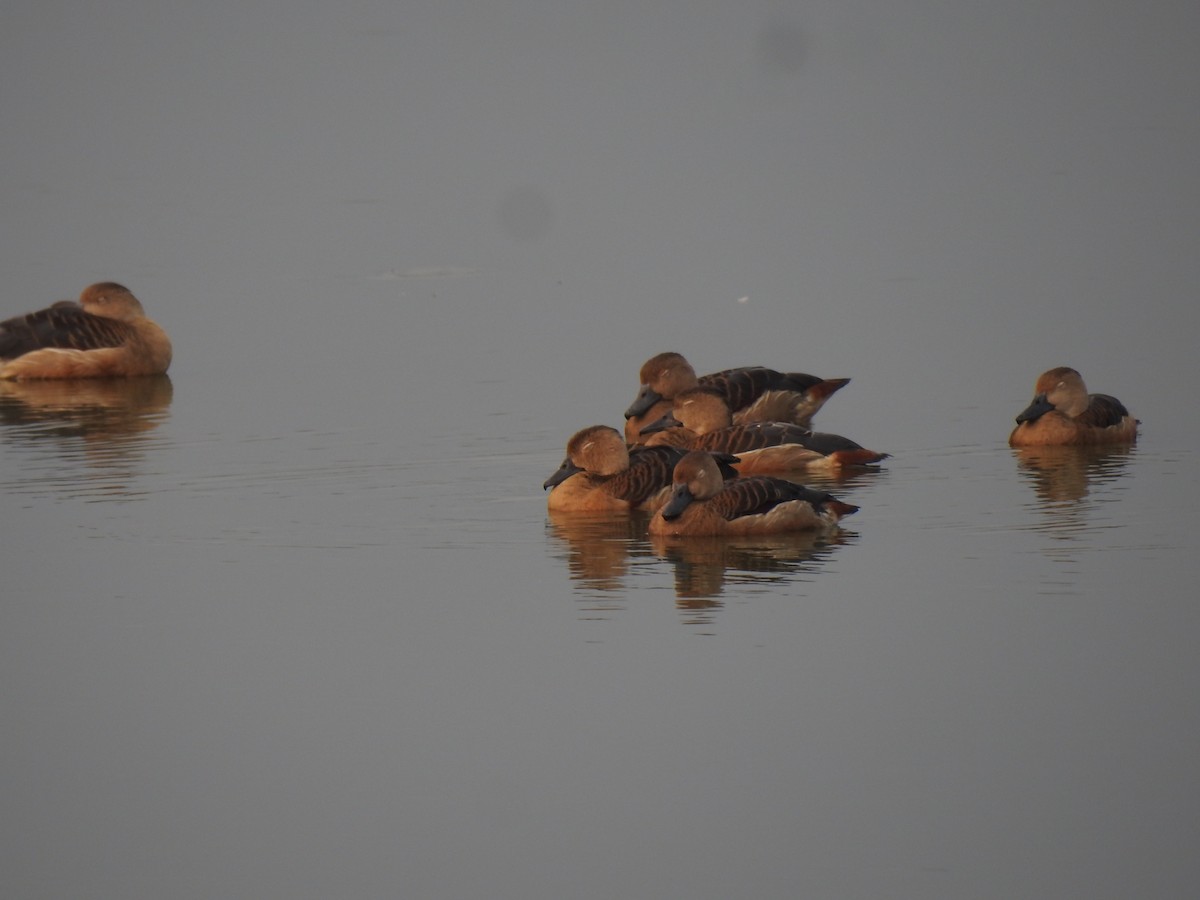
x: 97, y: 431
x: 1061, y: 474
x: 754, y: 393
x: 106, y: 334
x: 601, y: 552
x: 702, y: 565
x: 700, y: 419
x: 597, y: 549
x: 96, y: 409
x: 602, y: 474
x: 1063, y: 412
x: 702, y: 503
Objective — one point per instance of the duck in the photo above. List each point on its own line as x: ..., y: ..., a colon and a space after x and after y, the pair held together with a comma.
x: 754, y: 393
x: 701, y: 502
x: 601, y: 473
x: 1063, y: 412
x: 700, y: 419
x: 105, y: 334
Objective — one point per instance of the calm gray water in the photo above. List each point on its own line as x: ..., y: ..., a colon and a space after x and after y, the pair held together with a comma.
x: 294, y: 622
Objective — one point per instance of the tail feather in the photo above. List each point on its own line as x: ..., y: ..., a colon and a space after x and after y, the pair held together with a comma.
x: 859, y: 457
x: 826, y: 388
x: 840, y: 508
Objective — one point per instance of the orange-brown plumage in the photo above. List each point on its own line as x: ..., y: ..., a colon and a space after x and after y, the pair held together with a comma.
x: 701, y: 502
x: 1063, y: 412
x: 106, y: 334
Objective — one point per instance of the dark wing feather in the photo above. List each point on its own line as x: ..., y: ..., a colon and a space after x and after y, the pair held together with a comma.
x: 1103, y: 411
x: 63, y: 326
x: 726, y: 463
x: 826, y: 443
x: 649, y: 472
x: 742, y: 386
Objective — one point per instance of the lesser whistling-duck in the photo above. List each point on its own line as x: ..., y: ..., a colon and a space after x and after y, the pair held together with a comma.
x: 701, y: 502
x: 106, y: 334
x: 1063, y: 412
x: 601, y: 473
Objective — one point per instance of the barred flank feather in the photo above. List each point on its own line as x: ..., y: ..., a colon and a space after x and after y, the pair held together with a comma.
x: 759, y: 494
x: 753, y: 436
x: 648, y: 473
x: 650, y: 470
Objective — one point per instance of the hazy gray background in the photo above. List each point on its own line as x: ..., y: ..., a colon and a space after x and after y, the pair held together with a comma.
x: 298, y: 627
x: 939, y: 197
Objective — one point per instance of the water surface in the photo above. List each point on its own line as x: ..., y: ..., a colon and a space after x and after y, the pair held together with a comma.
x: 294, y: 621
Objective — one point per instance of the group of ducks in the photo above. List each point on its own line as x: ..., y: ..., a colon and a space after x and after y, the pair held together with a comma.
x: 704, y: 455
x: 713, y: 455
